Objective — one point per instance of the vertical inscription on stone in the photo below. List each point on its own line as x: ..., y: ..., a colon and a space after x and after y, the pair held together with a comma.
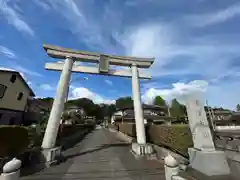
x: 198, y: 123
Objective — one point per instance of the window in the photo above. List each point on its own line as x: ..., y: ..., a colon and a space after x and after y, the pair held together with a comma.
x: 2, y: 90
x: 13, y: 78
x: 20, y: 95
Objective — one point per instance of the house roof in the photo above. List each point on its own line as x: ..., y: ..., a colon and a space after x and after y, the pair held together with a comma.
x: 21, y: 78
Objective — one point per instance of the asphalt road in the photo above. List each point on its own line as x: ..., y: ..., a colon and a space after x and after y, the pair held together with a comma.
x: 101, y: 155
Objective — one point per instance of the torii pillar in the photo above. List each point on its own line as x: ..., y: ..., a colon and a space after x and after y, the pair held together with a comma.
x: 103, y: 61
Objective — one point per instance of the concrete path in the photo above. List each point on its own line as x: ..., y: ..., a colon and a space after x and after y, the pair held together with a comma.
x: 101, y: 155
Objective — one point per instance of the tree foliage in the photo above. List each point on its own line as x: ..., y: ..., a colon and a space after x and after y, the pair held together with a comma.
x: 177, y: 109
x: 238, y: 107
x: 123, y: 102
x: 48, y: 101
x: 159, y: 101
x: 108, y: 110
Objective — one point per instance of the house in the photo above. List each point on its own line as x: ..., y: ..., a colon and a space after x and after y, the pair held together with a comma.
x: 151, y: 113
x: 14, y: 94
x: 35, y: 111
x: 217, y: 114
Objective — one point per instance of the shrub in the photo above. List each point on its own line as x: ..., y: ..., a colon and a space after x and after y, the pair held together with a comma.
x: 34, y: 138
x: 70, y: 129
x: 13, y: 140
x: 175, y: 137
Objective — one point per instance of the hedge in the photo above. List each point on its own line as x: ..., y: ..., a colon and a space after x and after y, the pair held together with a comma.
x: 68, y: 139
x: 67, y: 130
x: 13, y: 140
x: 113, y: 126
x: 176, y: 137
x: 128, y: 128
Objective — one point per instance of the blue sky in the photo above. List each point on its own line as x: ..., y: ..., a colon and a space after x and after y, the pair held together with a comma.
x: 195, y: 43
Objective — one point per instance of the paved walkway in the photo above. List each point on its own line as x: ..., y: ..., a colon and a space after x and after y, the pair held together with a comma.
x: 101, y: 155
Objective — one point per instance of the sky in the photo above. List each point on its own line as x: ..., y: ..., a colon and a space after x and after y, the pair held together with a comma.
x: 195, y: 44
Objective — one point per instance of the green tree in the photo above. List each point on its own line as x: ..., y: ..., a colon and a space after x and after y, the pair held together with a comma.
x: 108, y: 110
x: 85, y: 103
x: 159, y: 101
x: 177, y: 109
x: 238, y: 107
x: 48, y: 101
x: 123, y: 102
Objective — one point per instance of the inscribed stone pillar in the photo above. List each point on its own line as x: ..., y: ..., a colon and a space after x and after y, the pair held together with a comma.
x: 198, y: 123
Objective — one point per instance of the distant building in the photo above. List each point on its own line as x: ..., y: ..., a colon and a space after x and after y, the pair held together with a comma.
x: 76, y: 115
x: 151, y: 113
x: 14, y: 94
x: 217, y: 113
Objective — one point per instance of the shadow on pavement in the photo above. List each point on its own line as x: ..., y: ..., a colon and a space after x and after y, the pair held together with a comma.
x: 36, y: 165
x: 104, y: 146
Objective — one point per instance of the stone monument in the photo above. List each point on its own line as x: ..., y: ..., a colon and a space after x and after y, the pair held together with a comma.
x: 203, y: 156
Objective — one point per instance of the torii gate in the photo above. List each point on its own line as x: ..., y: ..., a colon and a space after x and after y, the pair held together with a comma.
x: 103, y: 61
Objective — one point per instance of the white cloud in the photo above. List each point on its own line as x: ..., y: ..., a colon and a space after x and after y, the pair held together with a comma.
x: 7, y: 52
x: 214, y: 17
x: 161, y: 41
x: 42, y: 4
x: 82, y: 92
x: 110, y: 83
x: 47, y: 87
x: 177, y: 91
x: 91, y: 28
x: 27, y: 71
x: 14, y: 18
x: 171, y: 45
x: 10, y: 69
x: 224, y: 95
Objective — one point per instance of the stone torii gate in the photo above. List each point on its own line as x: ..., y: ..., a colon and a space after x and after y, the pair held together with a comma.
x: 103, y: 61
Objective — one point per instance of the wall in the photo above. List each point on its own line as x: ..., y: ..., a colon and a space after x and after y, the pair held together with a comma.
x: 9, y: 100
x: 7, y: 117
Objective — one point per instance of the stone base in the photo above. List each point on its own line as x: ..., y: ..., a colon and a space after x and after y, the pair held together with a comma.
x: 142, y: 149
x: 51, y: 156
x: 10, y: 176
x: 209, y: 163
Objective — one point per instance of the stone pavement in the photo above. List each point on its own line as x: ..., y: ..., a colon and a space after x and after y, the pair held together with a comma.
x: 101, y: 155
